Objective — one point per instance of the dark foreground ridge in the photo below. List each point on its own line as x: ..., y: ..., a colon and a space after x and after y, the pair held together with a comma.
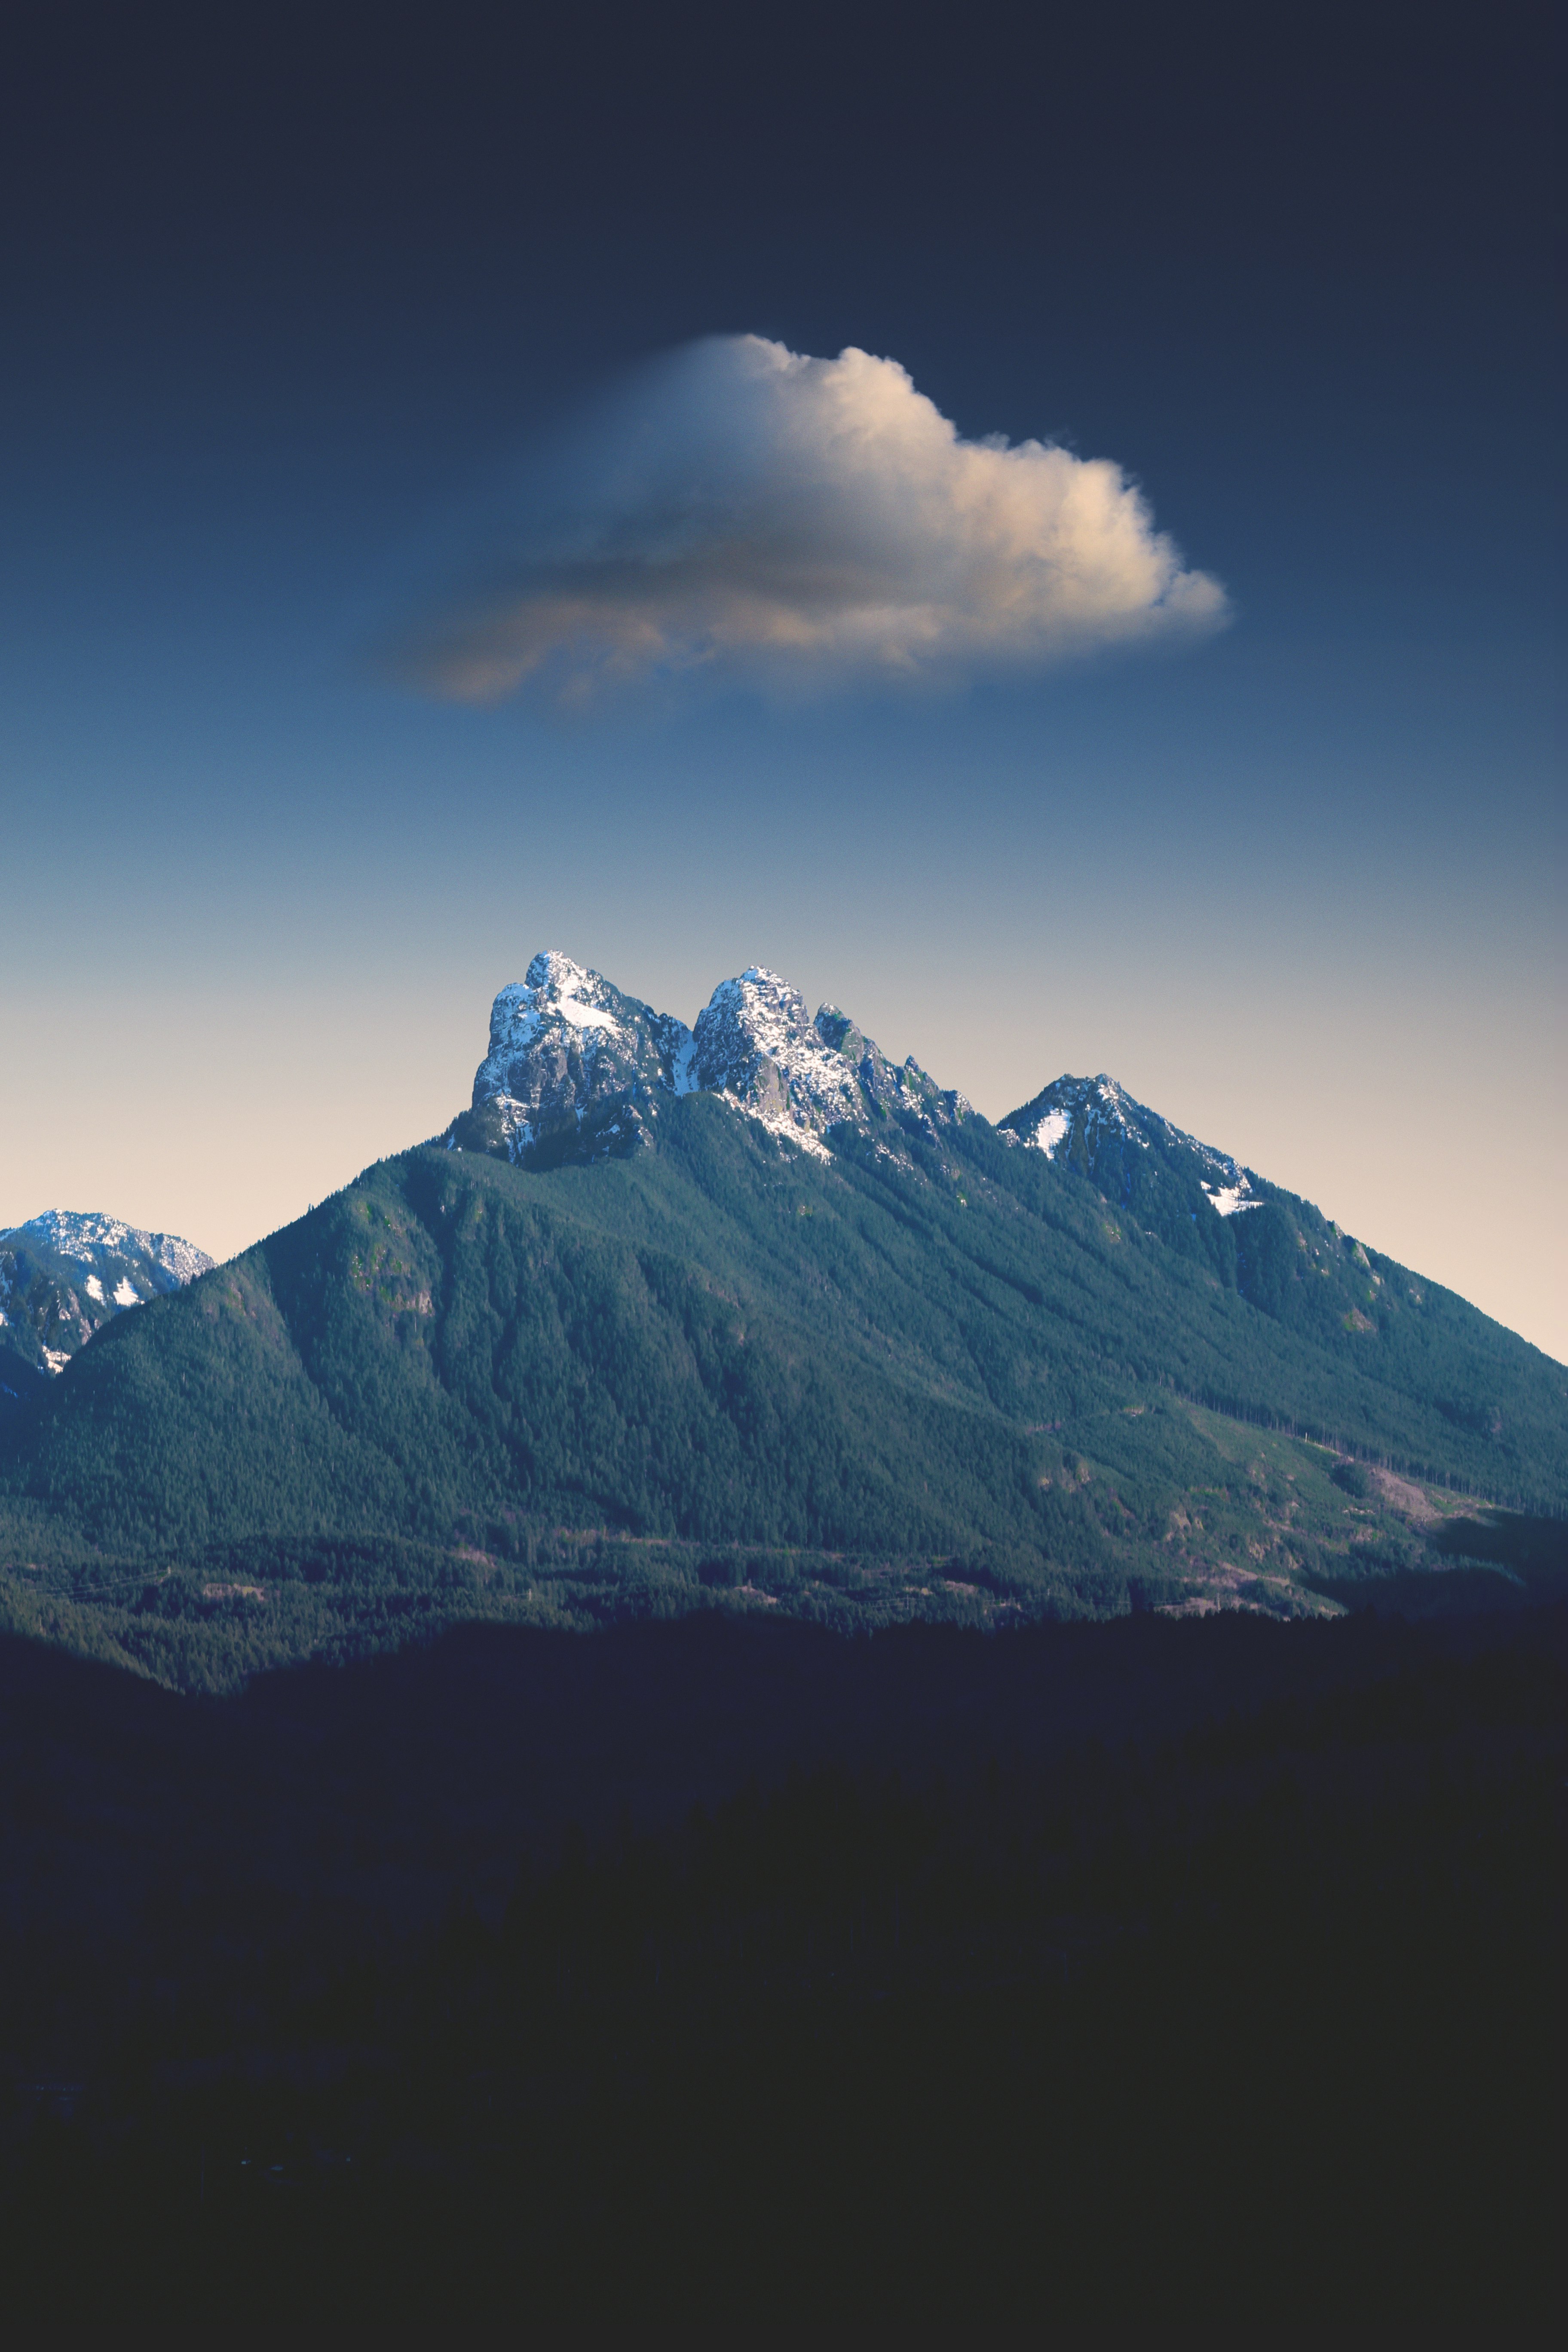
x: 725, y: 1970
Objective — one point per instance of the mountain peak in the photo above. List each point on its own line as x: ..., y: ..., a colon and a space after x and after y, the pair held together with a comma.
x: 1096, y: 1126
x: 755, y: 1043
x: 557, y: 995
x: 577, y: 1069
x: 66, y: 1272
x: 85, y: 1235
x: 1073, y: 1108
x: 572, y: 1066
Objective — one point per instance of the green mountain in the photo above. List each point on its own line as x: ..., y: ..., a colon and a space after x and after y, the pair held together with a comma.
x: 749, y: 1310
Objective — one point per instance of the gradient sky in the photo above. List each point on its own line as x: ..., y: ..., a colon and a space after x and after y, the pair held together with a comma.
x: 297, y: 323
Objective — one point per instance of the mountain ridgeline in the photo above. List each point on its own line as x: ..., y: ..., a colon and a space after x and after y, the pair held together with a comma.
x: 749, y: 1306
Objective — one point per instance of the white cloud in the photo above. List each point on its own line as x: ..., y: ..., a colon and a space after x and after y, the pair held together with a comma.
x: 797, y: 521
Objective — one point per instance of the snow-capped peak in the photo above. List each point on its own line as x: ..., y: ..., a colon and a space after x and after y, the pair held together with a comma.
x: 65, y: 1272
x: 556, y: 992
x: 756, y: 1042
x: 576, y: 1069
x: 569, y: 1053
x: 801, y: 1078
x: 87, y: 1236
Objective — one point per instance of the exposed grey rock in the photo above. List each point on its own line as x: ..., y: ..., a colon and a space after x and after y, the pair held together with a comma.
x: 572, y: 1069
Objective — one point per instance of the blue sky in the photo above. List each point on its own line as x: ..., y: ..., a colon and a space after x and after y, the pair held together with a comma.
x: 287, y: 346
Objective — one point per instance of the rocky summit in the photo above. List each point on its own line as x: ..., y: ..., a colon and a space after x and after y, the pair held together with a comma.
x: 65, y: 1273
x: 574, y: 1069
x: 1095, y: 1127
x: 577, y: 1070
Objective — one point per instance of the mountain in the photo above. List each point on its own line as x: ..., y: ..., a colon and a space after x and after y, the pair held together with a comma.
x: 64, y: 1275
x: 577, y: 1072
x: 749, y: 1309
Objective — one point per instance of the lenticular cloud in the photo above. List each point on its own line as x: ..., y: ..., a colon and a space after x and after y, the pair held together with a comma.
x: 750, y: 512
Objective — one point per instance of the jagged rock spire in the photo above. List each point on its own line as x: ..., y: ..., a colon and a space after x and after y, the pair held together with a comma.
x: 577, y: 1069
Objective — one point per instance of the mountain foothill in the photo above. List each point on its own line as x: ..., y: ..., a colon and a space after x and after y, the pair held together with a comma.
x: 749, y: 1315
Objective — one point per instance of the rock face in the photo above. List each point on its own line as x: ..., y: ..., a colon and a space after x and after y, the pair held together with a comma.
x: 576, y: 1070
x: 572, y: 1069
x: 65, y: 1273
x: 754, y: 1044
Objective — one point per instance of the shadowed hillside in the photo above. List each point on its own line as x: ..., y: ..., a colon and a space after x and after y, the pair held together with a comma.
x: 730, y: 1969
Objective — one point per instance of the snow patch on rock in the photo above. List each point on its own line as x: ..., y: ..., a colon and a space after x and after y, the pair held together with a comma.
x: 1050, y: 1131
x: 1227, y: 1199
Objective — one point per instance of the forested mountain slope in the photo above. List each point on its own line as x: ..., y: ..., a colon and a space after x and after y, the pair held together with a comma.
x: 804, y: 1328
x: 725, y: 1339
